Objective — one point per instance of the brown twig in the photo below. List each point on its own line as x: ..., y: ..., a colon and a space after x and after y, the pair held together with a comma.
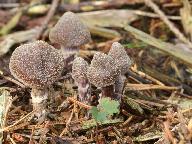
x: 67, y: 124
x: 79, y: 103
x: 172, y: 27
x: 97, y: 5
x: 144, y: 75
x: 168, y: 133
x: 12, y: 80
x: 48, y: 17
x: 148, y: 87
x: 8, y: 128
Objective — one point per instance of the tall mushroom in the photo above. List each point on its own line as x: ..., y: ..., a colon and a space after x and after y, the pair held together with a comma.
x: 70, y: 33
x: 123, y: 62
x: 103, y: 73
x: 37, y: 65
x: 79, y: 74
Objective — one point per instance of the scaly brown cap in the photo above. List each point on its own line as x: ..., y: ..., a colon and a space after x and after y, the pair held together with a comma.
x: 36, y: 64
x: 79, y: 69
x: 102, y: 71
x: 122, y: 60
x: 69, y: 31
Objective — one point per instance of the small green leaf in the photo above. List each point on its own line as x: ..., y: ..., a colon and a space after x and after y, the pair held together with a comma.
x: 109, y: 106
x: 94, y: 111
x: 105, y: 109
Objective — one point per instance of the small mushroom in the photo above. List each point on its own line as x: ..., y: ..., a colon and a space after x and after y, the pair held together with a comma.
x: 103, y: 73
x: 37, y: 65
x: 123, y: 62
x: 70, y: 33
x: 79, y: 71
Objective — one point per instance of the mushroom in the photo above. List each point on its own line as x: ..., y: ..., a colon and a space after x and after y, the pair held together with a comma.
x: 123, y: 62
x: 70, y: 33
x: 79, y: 71
x: 103, y: 73
x: 37, y: 65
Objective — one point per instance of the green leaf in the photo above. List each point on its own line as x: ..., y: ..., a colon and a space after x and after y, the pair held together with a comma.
x: 109, y: 106
x: 105, y: 109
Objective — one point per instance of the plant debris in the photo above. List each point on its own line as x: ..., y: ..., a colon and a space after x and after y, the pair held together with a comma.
x: 84, y: 105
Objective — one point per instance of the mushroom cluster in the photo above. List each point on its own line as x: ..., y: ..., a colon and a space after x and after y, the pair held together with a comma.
x: 106, y: 72
x: 38, y: 64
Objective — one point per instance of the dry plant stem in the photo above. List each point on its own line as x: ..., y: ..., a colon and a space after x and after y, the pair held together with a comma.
x: 97, y: 5
x: 177, y: 52
x: 168, y: 132
x: 79, y: 103
x: 172, y: 27
x: 65, y: 130
x: 48, y: 17
x: 17, y: 122
x: 14, y: 81
x: 39, y: 101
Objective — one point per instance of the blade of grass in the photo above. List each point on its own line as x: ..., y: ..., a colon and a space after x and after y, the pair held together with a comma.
x: 177, y: 52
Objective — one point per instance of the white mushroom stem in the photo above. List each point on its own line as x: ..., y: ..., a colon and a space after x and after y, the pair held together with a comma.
x: 67, y: 52
x: 39, y: 100
x: 69, y: 55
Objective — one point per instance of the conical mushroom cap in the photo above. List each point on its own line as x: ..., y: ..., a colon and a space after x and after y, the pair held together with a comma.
x: 122, y: 60
x: 79, y: 69
x: 102, y: 71
x: 36, y: 64
x: 69, y: 31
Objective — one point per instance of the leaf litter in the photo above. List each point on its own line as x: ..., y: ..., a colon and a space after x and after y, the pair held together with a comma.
x: 156, y: 105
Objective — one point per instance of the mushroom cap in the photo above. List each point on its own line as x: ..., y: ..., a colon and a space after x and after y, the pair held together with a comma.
x: 102, y: 71
x: 36, y: 64
x: 69, y: 31
x: 122, y: 60
x: 79, y: 69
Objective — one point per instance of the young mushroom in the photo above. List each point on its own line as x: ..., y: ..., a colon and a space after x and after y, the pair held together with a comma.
x: 70, y: 33
x: 37, y: 65
x: 123, y: 62
x: 79, y: 71
x: 103, y: 73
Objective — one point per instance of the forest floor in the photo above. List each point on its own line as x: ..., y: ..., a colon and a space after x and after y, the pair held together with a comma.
x: 157, y: 101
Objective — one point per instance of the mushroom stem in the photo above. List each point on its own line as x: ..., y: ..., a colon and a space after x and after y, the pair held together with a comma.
x: 39, y: 101
x: 69, y: 51
x: 84, y: 91
x: 69, y: 55
x: 119, y: 84
x: 108, y: 91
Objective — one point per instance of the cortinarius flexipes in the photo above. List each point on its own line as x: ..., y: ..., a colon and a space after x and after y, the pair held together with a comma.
x: 70, y: 33
x: 103, y: 73
x: 37, y: 65
x: 123, y: 62
x: 79, y: 74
